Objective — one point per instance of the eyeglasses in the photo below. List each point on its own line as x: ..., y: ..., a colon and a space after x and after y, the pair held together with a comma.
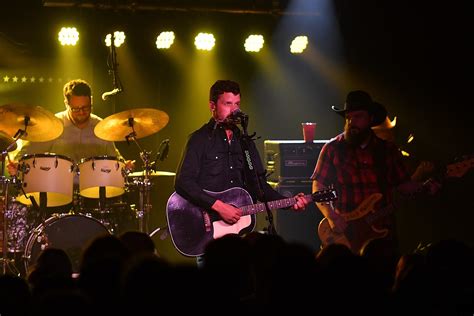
x: 85, y: 108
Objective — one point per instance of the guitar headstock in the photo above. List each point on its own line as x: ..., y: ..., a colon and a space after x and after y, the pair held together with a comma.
x: 325, y: 195
x: 459, y: 169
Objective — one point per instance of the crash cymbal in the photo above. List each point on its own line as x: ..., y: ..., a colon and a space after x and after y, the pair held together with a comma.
x: 145, y: 121
x: 42, y: 125
x: 5, y: 141
x: 152, y: 174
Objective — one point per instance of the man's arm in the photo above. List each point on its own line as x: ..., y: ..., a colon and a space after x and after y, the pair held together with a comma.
x: 335, y: 220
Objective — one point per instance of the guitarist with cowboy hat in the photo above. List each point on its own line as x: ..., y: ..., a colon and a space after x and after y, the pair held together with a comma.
x: 365, y: 170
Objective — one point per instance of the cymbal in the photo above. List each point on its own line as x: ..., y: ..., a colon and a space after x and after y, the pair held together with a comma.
x: 145, y: 121
x: 6, y: 140
x: 152, y: 174
x: 42, y: 125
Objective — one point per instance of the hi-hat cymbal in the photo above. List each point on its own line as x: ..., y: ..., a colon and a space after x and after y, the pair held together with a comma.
x: 5, y: 141
x: 117, y: 127
x: 152, y: 174
x: 42, y: 125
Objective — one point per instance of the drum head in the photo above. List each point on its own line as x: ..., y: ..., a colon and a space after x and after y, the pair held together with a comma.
x: 72, y: 233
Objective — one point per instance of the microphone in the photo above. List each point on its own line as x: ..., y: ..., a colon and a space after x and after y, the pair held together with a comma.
x: 163, y: 150
x: 237, y: 116
x: 108, y: 94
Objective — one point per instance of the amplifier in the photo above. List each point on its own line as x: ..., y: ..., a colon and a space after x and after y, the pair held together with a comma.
x: 290, y: 161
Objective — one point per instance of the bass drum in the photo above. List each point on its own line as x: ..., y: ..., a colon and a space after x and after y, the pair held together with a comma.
x: 69, y: 232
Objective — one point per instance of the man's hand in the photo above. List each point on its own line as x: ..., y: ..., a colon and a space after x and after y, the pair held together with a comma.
x: 227, y: 212
x: 301, y: 202
x: 12, y: 168
x: 130, y: 165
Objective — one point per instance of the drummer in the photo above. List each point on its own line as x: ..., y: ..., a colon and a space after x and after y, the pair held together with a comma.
x: 78, y: 140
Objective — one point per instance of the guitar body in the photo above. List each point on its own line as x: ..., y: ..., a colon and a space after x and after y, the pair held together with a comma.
x: 192, y: 228
x: 362, y: 234
x: 358, y: 231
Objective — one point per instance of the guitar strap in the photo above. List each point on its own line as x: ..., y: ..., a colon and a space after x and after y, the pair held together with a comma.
x: 253, y: 179
x: 251, y: 176
x: 380, y: 157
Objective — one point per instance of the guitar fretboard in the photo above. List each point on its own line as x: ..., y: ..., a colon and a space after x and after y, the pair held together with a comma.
x: 260, y: 207
x: 320, y: 196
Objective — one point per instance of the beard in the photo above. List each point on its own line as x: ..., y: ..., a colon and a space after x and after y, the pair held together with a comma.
x: 356, y: 136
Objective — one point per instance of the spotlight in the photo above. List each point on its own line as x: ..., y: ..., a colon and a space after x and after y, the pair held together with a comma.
x: 254, y: 43
x: 298, y: 45
x: 204, y: 41
x: 165, y: 40
x: 68, y: 36
x: 119, y: 39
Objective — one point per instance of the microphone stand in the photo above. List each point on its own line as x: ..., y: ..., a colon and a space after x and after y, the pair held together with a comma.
x: 245, y: 144
x: 113, y: 65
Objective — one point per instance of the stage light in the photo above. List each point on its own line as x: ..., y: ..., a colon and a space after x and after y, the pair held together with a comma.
x: 204, y: 41
x: 165, y: 40
x: 298, y: 45
x: 68, y: 36
x: 119, y: 39
x: 254, y: 43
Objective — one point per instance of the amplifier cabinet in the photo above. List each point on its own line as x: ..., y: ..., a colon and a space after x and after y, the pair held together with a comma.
x: 290, y: 160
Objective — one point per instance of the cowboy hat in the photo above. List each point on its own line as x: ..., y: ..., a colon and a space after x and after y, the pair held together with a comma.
x: 359, y: 100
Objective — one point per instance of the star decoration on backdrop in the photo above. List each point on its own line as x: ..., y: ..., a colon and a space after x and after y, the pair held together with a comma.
x: 29, y: 79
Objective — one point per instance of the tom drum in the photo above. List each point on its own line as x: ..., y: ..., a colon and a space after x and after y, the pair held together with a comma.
x: 49, y: 173
x: 103, y: 171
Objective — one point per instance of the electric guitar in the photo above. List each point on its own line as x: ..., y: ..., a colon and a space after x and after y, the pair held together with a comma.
x: 362, y: 221
x: 192, y: 228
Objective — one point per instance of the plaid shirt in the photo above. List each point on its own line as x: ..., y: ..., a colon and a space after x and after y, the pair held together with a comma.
x: 353, y: 172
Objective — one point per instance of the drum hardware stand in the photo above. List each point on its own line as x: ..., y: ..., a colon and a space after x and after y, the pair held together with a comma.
x: 103, y: 209
x: 144, y: 185
x: 7, y: 264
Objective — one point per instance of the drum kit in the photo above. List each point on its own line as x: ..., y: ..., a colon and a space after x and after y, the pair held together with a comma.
x: 46, y: 180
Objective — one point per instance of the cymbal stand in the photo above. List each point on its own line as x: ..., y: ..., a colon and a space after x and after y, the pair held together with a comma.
x: 7, y: 264
x: 144, y: 184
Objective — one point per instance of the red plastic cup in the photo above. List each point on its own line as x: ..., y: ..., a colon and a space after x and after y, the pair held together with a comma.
x: 309, y: 129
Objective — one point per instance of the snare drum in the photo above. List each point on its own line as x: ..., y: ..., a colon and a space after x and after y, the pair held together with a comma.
x: 50, y: 173
x: 72, y: 233
x: 102, y: 171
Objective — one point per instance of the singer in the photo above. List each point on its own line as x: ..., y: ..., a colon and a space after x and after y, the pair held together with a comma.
x: 213, y: 160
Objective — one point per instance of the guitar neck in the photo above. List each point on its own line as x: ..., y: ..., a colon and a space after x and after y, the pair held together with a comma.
x: 319, y: 196
x: 261, y: 207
